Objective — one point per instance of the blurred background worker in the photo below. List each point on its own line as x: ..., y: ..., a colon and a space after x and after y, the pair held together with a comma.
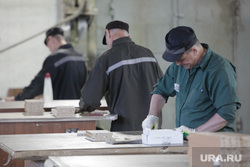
x: 203, y: 82
x: 65, y: 65
x: 125, y: 75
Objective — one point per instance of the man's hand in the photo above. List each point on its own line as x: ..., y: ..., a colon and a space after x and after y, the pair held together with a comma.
x: 85, y: 107
x: 151, y: 122
x: 185, y: 129
x: 10, y: 98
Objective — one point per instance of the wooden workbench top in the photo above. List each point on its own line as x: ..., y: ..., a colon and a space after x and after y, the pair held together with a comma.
x: 18, y: 106
x: 40, y: 146
x: 48, y: 117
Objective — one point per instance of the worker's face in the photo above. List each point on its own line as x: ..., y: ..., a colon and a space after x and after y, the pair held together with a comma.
x: 51, y: 44
x: 187, y: 60
x: 109, y: 40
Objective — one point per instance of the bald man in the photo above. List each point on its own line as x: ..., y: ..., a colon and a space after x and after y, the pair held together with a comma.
x: 125, y: 75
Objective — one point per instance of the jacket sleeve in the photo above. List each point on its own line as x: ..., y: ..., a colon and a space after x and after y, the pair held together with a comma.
x: 223, y: 92
x: 35, y: 87
x: 165, y: 84
x: 94, y: 88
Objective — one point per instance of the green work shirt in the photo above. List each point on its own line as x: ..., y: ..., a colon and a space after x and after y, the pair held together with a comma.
x: 208, y: 89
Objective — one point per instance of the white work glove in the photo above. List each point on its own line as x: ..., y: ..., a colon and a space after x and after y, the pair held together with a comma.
x: 151, y: 122
x: 183, y: 128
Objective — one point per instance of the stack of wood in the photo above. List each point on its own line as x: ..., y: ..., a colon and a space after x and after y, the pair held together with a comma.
x: 63, y: 111
x: 219, y: 148
x: 99, y: 135
x: 33, y: 107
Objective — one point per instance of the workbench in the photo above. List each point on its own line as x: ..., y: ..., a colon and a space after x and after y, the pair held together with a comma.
x: 17, y: 123
x: 12, y: 121
x: 40, y: 146
x: 146, y: 160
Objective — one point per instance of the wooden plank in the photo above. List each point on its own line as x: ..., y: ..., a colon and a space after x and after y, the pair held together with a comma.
x: 163, y: 160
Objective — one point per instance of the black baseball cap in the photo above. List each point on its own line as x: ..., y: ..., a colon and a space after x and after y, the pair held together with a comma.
x: 53, y: 31
x: 113, y: 25
x: 178, y: 40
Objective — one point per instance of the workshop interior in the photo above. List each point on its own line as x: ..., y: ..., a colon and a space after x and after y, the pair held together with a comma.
x: 223, y: 24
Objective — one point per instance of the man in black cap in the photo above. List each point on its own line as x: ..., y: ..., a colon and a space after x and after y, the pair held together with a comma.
x: 66, y: 67
x: 125, y: 75
x: 203, y: 82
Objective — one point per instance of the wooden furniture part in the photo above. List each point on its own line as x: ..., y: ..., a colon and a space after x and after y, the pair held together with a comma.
x: 17, y: 123
x: 12, y: 106
x: 40, y: 146
x: 18, y: 106
x: 146, y: 160
x: 14, y: 91
x: 99, y: 135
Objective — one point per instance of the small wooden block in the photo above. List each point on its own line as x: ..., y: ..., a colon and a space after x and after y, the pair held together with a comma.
x: 99, y: 135
x: 63, y: 111
x: 33, y: 107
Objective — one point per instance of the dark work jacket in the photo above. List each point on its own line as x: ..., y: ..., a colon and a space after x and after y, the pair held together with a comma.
x: 125, y: 75
x: 68, y: 74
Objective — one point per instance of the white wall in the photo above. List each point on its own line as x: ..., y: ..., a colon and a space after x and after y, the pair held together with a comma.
x: 20, y: 19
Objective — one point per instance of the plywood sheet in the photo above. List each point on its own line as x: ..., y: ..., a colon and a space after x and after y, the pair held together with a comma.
x: 163, y: 160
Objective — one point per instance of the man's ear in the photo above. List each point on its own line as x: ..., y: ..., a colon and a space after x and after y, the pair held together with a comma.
x: 194, y: 49
x: 52, y: 39
x: 108, y: 33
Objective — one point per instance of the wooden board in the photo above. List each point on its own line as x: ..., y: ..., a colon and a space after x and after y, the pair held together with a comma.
x: 40, y: 146
x: 12, y: 106
x: 48, y: 117
x: 18, y: 106
x: 163, y: 160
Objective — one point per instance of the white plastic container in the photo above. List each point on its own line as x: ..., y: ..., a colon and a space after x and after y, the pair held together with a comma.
x: 47, y: 88
x: 162, y: 137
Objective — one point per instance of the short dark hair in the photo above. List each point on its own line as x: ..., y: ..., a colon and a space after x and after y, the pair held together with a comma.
x: 52, y: 32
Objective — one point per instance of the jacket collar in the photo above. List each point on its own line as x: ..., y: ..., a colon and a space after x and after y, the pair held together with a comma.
x: 204, y: 62
x: 121, y: 40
